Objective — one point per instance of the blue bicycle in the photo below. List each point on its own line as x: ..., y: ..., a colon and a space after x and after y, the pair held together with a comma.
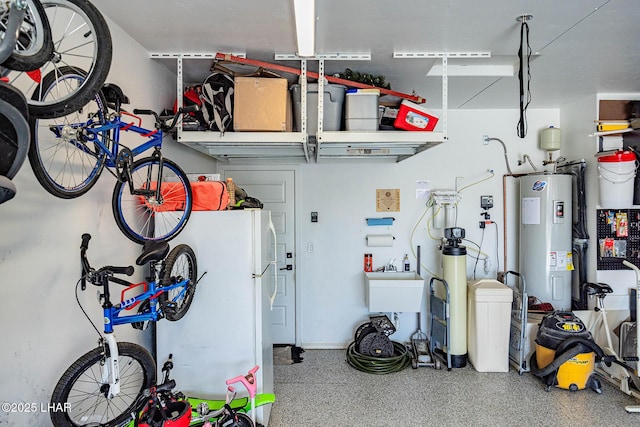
x: 103, y: 386
x: 152, y: 198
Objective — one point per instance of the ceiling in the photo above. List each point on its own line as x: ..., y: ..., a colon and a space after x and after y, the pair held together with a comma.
x: 580, y: 47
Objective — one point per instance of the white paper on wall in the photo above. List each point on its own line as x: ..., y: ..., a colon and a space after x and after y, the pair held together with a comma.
x: 531, y: 210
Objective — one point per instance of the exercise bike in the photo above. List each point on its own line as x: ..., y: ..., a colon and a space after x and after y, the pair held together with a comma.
x: 636, y: 270
x: 628, y: 376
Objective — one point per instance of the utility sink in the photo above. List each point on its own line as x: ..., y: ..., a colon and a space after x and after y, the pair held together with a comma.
x: 394, y: 291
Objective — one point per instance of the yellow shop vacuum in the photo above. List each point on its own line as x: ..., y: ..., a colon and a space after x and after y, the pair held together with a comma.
x: 565, y: 354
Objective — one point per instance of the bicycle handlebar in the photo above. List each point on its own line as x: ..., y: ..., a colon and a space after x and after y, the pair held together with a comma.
x: 166, y: 386
x: 94, y: 276
x: 85, y: 241
x: 249, y: 381
x: 119, y: 270
x: 139, y: 112
x: 168, y: 124
x: 83, y: 259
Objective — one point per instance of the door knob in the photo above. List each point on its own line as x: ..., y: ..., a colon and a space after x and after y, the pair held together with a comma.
x: 287, y: 267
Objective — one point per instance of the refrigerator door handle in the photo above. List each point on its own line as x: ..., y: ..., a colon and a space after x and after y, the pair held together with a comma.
x: 275, y: 264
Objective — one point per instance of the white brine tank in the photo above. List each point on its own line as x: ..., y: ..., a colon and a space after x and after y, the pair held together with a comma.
x: 546, y: 237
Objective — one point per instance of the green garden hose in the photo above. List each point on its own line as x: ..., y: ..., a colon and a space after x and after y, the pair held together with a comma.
x: 379, y: 365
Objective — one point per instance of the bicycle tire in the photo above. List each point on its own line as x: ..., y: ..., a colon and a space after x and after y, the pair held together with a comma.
x: 243, y: 420
x: 82, y: 41
x: 143, y: 218
x: 137, y: 373
x: 34, y: 46
x: 180, y: 264
x: 64, y: 165
x: 236, y: 420
x: 14, y: 130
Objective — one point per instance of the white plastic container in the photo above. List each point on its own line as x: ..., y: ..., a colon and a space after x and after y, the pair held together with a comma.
x: 333, y: 96
x: 361, y: 110
x: 394, y: 292
x: 489, y: 324
x: 616, y: 173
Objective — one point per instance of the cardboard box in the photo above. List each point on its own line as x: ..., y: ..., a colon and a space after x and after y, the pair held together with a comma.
x: 261, y: 104
x: 412, y: 116
x: 613, y: 110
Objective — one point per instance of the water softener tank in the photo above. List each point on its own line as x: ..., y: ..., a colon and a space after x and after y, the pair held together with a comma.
x: 454, y: 267
x: 546, y: 237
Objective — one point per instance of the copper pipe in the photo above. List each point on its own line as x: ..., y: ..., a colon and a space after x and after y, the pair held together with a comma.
x: 504, y: 212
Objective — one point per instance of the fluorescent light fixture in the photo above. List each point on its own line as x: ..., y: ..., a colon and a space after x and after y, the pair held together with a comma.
x: 305, y: 15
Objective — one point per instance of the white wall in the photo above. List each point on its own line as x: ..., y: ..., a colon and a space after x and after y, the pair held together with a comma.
x: 332, y: 285
x: 43, y: 330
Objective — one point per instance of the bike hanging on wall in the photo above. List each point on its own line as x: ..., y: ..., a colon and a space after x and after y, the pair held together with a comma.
x: 152, y: 198
x: 104, y: 385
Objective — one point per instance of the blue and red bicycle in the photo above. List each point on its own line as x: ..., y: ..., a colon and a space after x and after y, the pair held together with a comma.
x: 152, y: 198
x: 103, y: 386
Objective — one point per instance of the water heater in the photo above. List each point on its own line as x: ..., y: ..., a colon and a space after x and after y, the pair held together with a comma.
x: 546, y: 237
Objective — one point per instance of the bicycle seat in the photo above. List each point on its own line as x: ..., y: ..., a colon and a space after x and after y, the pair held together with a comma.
x: 598, y: 288
x: 153, y: 250
x: 114, y: 95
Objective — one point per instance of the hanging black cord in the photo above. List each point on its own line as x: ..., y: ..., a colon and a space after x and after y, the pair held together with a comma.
x: 84, y: 312
x: 525, y: 97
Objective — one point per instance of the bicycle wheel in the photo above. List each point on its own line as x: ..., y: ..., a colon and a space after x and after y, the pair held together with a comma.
x: 14, y: 130
x: 235, y: 420
x: 34, y: 46
x: 81, y: 41
x: 81, y: 390
x: 180, y: 265
x: 65, y: 163
x: 143, y: 217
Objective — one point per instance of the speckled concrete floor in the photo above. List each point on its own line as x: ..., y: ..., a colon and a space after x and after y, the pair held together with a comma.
x: 324, y: 390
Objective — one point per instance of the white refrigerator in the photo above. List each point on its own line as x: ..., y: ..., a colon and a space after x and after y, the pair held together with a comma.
x: 227, y: 330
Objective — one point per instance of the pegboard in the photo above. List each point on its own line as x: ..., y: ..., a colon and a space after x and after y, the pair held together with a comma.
x: 618, y: 233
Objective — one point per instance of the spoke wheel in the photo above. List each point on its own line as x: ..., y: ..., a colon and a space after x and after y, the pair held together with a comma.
x: 65, y: 163
x: 34, y: 45
x: 147, y: 215
x: 82, y: 42
x: 81, y: 391
x: 180, y: 265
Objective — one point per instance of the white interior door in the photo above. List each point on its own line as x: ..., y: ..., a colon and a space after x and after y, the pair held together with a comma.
x: 276, y: 189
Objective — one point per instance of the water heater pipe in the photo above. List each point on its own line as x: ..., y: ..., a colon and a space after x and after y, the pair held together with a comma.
x: 504, y: 147
x: 504, y: 215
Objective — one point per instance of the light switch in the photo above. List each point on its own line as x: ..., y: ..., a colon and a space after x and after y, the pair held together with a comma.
x: 314, y: 216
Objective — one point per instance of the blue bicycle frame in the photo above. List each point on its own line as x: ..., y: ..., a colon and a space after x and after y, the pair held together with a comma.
x: 96, y: 134
x: 112, y: 312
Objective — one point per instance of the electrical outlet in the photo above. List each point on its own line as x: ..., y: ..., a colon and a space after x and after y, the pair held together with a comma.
x: 486, y: 202
x: 485, y: 139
